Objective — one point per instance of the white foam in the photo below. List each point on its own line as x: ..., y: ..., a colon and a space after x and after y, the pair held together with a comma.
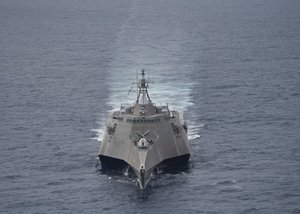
x: 99, y: 133
x: 194, y: 130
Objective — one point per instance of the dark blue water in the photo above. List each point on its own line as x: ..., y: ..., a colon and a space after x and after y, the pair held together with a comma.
x: 231, y: 66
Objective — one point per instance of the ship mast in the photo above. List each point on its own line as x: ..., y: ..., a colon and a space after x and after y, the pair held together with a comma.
x: 143, y: 96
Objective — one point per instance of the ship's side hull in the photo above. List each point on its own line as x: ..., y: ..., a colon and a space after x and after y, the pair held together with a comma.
x: 175, y: 161
x: 112, y: 163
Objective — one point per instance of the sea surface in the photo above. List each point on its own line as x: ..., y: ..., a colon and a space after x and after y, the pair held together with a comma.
x: 232, y: 67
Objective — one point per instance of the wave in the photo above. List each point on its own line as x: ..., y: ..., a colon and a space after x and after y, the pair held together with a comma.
x: 193, y: 130
x: 99, y: 132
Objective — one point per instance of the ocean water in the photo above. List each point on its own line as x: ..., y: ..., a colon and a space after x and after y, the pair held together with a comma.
x: 232, y: 67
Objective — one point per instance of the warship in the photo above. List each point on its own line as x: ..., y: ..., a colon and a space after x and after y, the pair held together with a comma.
x: 144, y: 136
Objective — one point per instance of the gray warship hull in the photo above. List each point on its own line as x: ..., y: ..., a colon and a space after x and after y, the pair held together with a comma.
x: 144, y: 136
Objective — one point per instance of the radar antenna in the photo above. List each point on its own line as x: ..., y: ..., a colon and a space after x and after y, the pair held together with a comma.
x: 142, y: 86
